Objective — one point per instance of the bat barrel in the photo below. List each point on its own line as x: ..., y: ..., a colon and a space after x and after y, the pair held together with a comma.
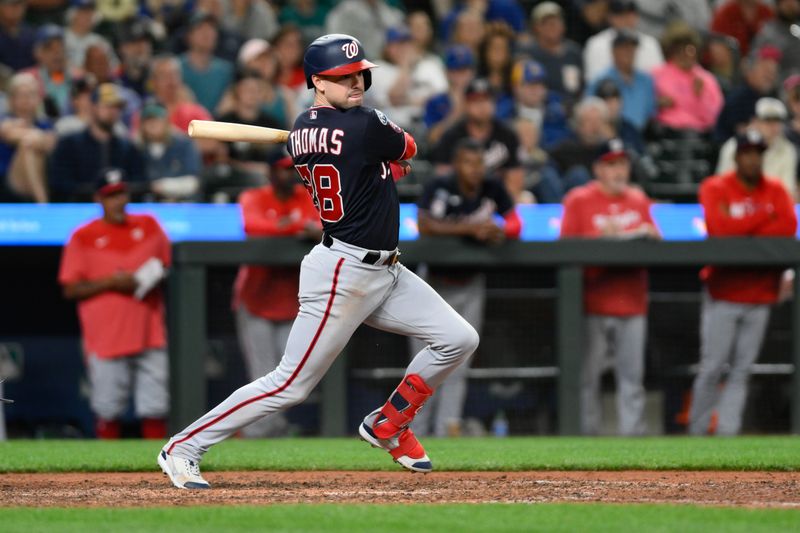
x: 230, y: 132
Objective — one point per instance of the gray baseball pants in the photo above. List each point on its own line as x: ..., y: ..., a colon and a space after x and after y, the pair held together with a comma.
x: 262, y: 342
x: 618, y: 343
x: 339, y: 292
x: 730, y: 335
x: 112, y: 380
x: 443, y: 413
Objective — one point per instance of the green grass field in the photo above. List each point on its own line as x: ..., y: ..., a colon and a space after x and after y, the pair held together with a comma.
x: 547, y: 453
x: 517, y: 453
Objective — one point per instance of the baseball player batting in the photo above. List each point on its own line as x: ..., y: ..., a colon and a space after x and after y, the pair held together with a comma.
x: 348, y: 157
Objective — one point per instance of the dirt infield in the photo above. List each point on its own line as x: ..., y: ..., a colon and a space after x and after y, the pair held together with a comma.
x: 751, y: 489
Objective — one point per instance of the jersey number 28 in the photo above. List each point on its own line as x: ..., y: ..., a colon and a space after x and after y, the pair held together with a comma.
x: 323, y: 184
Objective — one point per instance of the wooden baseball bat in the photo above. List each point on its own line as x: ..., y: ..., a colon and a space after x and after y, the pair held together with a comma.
x: 230, y: 132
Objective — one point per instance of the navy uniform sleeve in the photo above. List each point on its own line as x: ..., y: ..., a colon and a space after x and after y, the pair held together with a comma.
x: 495, y: 190
x: 383, y: 139
x: 511, y: 141
x: 428, y: 193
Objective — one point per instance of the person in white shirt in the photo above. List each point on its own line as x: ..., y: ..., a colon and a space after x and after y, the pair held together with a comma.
x: 622, y: 15
x: 78, y: 35
x: 780, y: 159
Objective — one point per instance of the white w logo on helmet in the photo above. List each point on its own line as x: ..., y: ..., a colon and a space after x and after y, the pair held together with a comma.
x: 350, y: 49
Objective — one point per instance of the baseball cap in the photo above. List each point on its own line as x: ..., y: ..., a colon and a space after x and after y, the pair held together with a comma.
x: 110, y: 180
x: 397, y: 34
x: 153, y: 109
x: 528, y: 72
x: 611, y: 150
x: 769, y: 51
x: 136, y: 30
x: 771, y: 109
x: 607, y: 88
x: 251, y: 50
x: 544, y: 10
x: 477, y: 88
x: 280, y: 159
x: 459, y: 56
x: 622, y: 6
x: 48, y: 32
x: 107, y: 93
x: 625, y: 36
x: 750, y: 139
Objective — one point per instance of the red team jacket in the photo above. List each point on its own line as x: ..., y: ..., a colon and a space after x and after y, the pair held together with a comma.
x: 116, y: 324
x: 733, y: 210
x: 271, y: 292
x: 608, y: 291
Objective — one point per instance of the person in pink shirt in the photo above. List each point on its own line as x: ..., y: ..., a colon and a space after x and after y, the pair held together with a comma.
x: 689, y: 97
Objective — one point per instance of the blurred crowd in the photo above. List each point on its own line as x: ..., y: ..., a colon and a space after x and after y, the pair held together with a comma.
x: 91, y: 84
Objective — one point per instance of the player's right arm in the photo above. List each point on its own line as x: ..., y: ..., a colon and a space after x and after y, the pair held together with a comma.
x: 571, y: 219
x: 259, y: 222
x: 72, y: 276
x: 719, y: 220
x: 386, y: 141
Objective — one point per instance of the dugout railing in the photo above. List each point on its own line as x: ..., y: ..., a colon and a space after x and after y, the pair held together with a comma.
x: 188, y: 299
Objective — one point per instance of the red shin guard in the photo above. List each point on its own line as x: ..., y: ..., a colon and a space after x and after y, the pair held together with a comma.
x: 402, y: 407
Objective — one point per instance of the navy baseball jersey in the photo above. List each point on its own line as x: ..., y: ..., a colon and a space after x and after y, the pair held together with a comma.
x: 342, y: 156
x: 443, y: 199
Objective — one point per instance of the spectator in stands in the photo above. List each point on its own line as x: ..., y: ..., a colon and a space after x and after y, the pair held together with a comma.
x: 265, y: 298
x: 760, y: 80
x: 609, y: 91
x: 228, y: 42
x: 791, y: 89
x: 26, y: 138
x: 363, y: 19
x: 257, y: 55
x: 172, y: 163
x: 536, y: 103
x: 51, y: 67
x: 462, y: 204
x: 636, y: 87
x: 136, y: 53
x: 494, y: 64
x: 80, y: 104
x: 780, y: 158
x: 248, y: 109
x: 688, y: 96
x: 16, y: 38
x: 541, y: 183
x: 289, y: 48
x: 742, y: 20
x: 588, y: 17
x: 168, y: 89
x: 781, y: 33
x: 444, y: 110
x: 406, y: 82
x: 560, y: 57
x: 113, y: 266
x: 722, y: 60
x: 656, y: 15
x: 615, y: 299
x: 495, y: 12
x: 597, y: 54
x: 78, y: 158
x: 736, y: 301
x: 499, y: 142
x: 573, y: 158
x: 307, y: 15
x: 78, y: 36
x: 421, y: 29
x: 469, y: 30
x: 206, y: 75
x: 249, y: 19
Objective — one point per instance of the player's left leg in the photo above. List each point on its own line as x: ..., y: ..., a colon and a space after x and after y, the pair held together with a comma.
x: 151, y: 392
x: 110, y: 389
x: 630, y: 335
x: 752, y: 327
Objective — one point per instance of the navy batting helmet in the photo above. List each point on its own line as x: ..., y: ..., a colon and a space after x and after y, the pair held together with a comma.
x: 336, y: 54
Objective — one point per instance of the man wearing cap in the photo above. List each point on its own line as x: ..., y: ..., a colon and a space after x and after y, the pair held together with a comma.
x: 51, y: 66
x: 636, y: 88
x: 781, y: 32
x: 78, y: 157
x: 736, y: 301
x: 500, y: 143
x: 615, y: 299
x: 363, y: 19
x: 78, y: 37
x: 172, y: 163
x: 447, y: 108
x: 780, y: 157
x: 16, y: 37
x: 609, y: 91
x: 206, y: 75
x: 407, y: 79
x: 265, y: 298
x: 760, y: 79
x: 136, y: 51
x: 113, y: 266
x: 597, y: 54
x: 560, y: 58
x: 535, y: 102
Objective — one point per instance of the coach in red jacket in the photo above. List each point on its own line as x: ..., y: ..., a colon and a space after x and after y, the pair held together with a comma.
x: 736, y: 301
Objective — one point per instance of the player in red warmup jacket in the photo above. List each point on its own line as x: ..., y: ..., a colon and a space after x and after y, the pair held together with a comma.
x: 348, y: 157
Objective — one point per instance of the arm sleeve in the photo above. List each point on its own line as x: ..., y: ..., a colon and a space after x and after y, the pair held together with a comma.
x: 784, y: 221
x: 719, y: 223
x: 258, y: 224
x: 384, y: 140
x: 426, y: 199
x: 60, y: 169
x: 72, y: 268
x: 570, y: 220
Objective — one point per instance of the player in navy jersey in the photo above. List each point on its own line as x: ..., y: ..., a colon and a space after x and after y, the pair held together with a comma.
x: 348, y: 157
